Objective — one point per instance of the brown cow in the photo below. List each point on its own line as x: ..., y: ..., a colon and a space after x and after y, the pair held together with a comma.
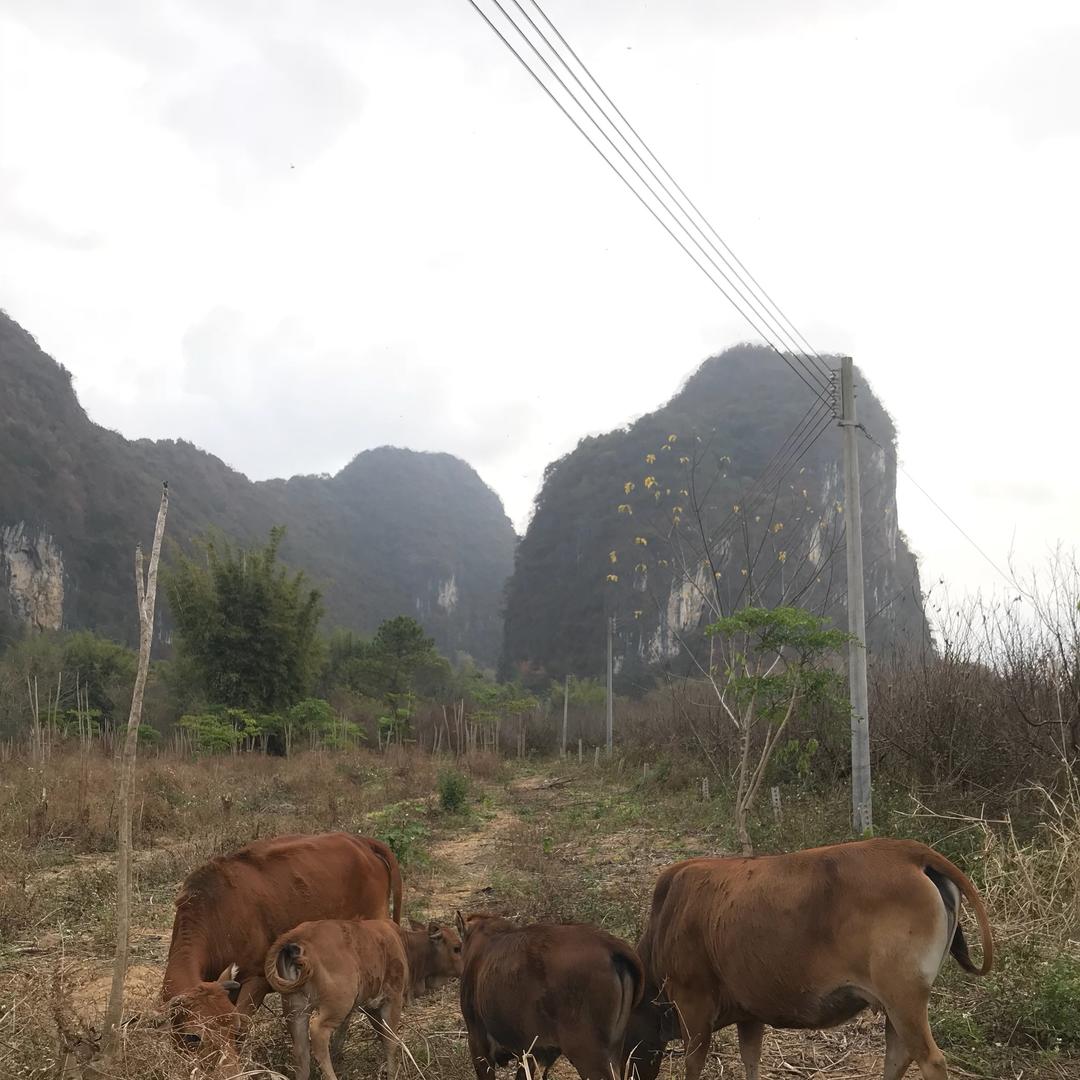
x: 324, y: 970
x: 545, y: 990
x: 230, y: 910
x: 804, y: 940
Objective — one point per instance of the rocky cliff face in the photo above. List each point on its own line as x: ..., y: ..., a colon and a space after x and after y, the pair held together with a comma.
x: 32, y: 567
x: 645, y: 524
x: 395, y: 532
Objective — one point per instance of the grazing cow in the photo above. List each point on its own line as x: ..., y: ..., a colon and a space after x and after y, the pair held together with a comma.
x: 804, y: 940
x: 230, y: 911
x: 546, y: 990
x: 324, y: 970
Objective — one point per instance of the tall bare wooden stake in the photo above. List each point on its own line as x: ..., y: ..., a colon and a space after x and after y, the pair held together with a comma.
x: 146, y: 590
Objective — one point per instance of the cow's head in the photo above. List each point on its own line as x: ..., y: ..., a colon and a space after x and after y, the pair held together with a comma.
x: 653, y: 1023
x: 434, y: 954
x: 480, y: 923
x: 205, y: 1018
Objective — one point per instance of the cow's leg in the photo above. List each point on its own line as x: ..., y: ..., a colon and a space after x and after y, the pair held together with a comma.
x: 897, y: 1058
x: 387, y: 1025
x: 593, y: 1061
x: 750, y: 1039
x: 912, y: 1030
x: 484, y: 1066
x: 294, y: 1006
x: 252, y: 992
x: 337, y: 1040
x: 695, y: 1017
x: 321, y: 1028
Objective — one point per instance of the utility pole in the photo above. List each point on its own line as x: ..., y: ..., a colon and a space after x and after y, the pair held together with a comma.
x: 565, y: 709
x: 861, y: 799
x: 610, y: 696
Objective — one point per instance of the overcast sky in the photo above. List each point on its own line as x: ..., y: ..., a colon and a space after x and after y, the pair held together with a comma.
x: 289, y: 232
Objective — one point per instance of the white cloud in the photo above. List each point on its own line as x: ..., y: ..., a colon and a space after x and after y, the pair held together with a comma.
x: 448, y: 265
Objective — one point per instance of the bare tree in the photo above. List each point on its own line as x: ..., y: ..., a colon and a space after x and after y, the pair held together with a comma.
x: 146, y: 590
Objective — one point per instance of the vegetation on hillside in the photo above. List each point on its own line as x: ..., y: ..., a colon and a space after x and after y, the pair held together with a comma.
x: 645, y: 524
x: 394, y: 531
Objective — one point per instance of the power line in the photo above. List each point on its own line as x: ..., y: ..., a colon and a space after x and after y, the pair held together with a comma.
x: 690, y: 202
x: 1008, y: 578
x: 760, y: 309
x: 814, y: 382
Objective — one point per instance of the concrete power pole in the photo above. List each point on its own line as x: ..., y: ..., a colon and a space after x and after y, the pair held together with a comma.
x: 610, y: 695
x: 861, y: 799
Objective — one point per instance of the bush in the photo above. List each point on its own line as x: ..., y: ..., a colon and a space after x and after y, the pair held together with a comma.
x: 453, y: 791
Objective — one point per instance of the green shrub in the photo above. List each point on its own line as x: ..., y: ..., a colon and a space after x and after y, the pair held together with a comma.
x: 453, y: 791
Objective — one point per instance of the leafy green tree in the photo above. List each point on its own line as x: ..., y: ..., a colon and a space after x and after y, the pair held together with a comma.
x: 773, y: 664
x: 247, y: 625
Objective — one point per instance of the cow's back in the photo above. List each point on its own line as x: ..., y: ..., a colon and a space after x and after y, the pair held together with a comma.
x: 236, y: 905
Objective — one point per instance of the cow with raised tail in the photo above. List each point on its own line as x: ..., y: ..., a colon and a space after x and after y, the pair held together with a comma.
x: 230, y: 910
x: 326, y: 969
x: 545, y: 990
x: 803, y: 940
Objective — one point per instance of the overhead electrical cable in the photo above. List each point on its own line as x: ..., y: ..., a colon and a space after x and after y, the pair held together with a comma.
x: 782, y: 317
x: 813, y: 380
x: 760, y: 308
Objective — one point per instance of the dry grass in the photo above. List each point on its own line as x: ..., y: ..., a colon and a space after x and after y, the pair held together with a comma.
x: 587, y: 849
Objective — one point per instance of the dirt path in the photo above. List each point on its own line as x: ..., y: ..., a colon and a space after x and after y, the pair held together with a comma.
x: 460, y: 874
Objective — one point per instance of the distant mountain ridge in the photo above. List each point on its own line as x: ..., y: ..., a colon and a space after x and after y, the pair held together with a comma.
x: 614, y: 531
x: 394, y: 532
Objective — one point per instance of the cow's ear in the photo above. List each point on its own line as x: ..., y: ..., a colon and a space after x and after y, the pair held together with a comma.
x: 415, y: 926
x: 434, y: 931
x: 459, y: 922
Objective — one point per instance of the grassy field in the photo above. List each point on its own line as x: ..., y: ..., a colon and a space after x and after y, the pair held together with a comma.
x: 540, y: 839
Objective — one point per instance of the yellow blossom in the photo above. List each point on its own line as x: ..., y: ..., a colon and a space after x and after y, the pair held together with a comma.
x: 744, y: 571
x: 684, y: 460
x: 613, y: 556
x: 778, y: 527
x: 613, y: 577
x: 637, y: 614
x: 735, y: 508
x: 641, y: 541
x: 625, y: 508
x: 628, y: 487
x: 676, y: 509
x: 782, y: 556
x: 673, y: 438
x: 641, y: 568
x: 650, y: 481
x: 717, y: 575
x: 676, y: 519
x: 650, y: 458
x: 684, y: 493
x: 664, y: 447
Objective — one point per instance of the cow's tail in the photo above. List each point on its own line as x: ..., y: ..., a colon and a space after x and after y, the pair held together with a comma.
x: 287, y: 966
x: 630, y: 975
x: 936, y: 864
x: 383, y: 852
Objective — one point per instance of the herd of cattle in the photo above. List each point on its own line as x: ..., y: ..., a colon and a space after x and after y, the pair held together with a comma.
x: 803, y: 940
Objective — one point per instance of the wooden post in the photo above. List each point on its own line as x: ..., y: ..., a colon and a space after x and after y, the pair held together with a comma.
x: 579, y: 751
x: 565, y: 710
x: 610, y: 693
x: 146, y: 591
x: 596, y: 758
x: 777, y: 809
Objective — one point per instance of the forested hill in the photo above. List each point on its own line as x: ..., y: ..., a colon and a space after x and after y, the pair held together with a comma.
x: 395, y: 532
x: 619, y: 523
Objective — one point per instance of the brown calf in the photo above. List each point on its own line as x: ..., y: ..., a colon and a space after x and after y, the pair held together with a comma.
x: 324, y: 970
x: 804, y: 940
x: 546, y: 990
